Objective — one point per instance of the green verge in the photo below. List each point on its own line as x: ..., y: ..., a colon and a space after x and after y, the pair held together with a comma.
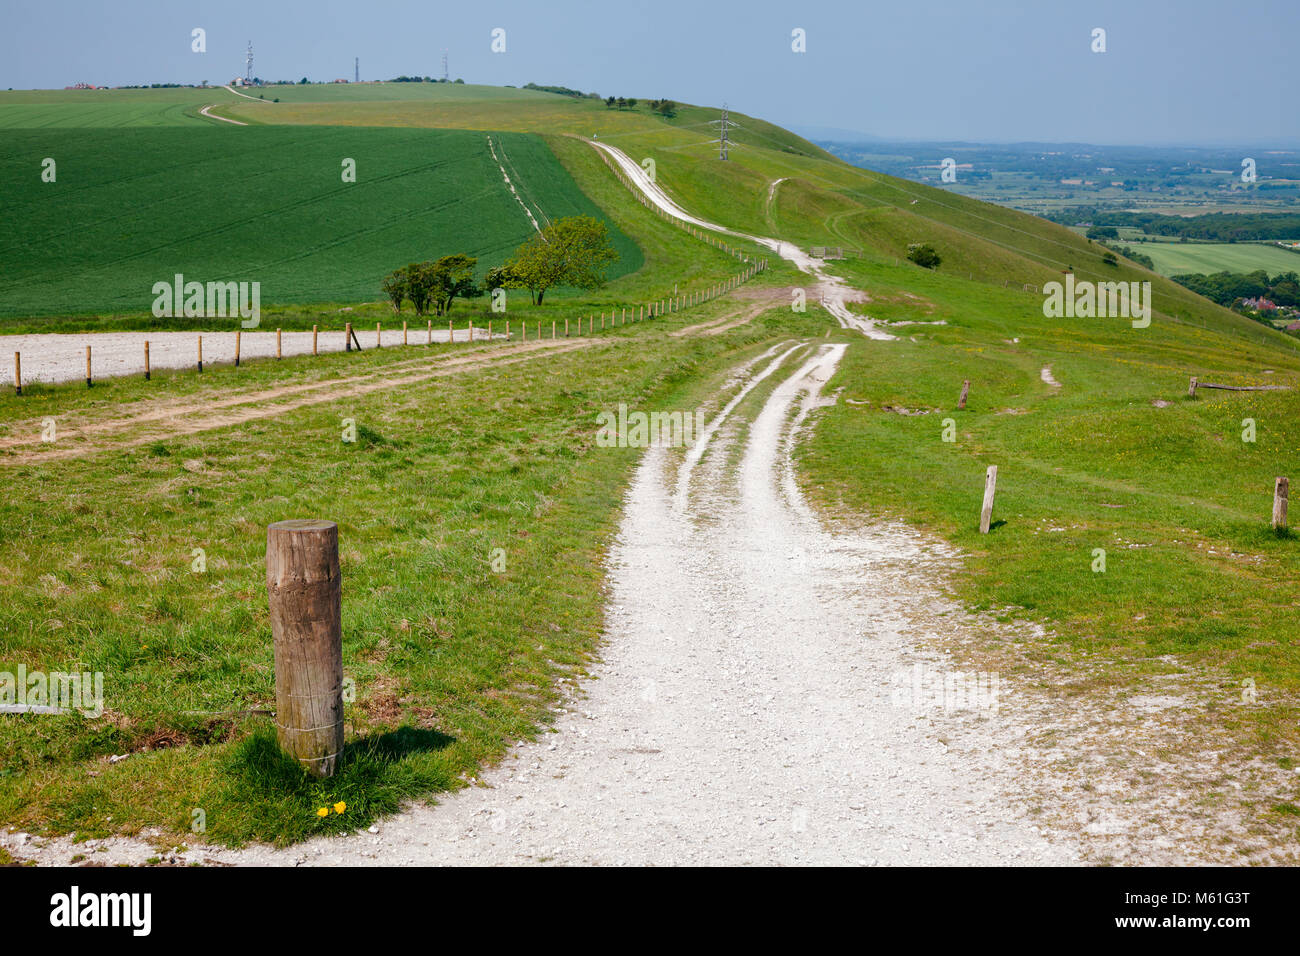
x: 1194, y: 575
x: 452, y: 660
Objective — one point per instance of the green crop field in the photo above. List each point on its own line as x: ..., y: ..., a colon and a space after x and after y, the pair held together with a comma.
x: 133, y: 207
x: 45, y: 109
x: 1176, y: 258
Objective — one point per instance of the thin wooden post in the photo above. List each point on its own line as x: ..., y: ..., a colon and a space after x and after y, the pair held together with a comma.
x: 965, y: 389
x: 379, y: 336
x: 18, y: 374
x: 88, y: 382
x: 553, y: 327
x: 1280, y: 491
x: 315, y: 334
x: 200, y: 354
x: 278, y: 353
x: 507, y: 330
x: 990, y: 485
x: 304, y: 590
x: 489, y: 330
x: 347, y: 337
x: 237, y: 335
x: 566, y: 327
x: 404, y: 341
x: 1191, y: 389
x: 471, y: 331
x: 146, y: 360
x: 430, y: 332
x: 624, y: 322
x: 523, y: 328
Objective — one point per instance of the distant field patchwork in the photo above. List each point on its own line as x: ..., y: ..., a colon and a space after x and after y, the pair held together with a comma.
x: 131, y: 207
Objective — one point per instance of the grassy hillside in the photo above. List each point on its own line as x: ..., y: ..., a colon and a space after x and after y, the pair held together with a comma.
x: 133, y: 207
x: 452, y: 662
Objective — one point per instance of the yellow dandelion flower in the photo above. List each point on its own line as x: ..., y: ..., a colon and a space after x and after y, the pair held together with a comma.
x: 323, y: 812
x: 340, y: 807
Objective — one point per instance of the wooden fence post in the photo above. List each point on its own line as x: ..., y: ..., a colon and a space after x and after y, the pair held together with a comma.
x: 430, y: 342
x: 1191, y: 389
x: 404, y: 341
x: 88, y: 382
x: 347, y: 337
x: 237, y: 335
x: 471, y: 330
x: 553, y: 328
x: 304, y: 591
x: 990, y: 484
x: 18, y: 373
x: 489, y: 330
x: 1281, y: 488
x: 451, y: 332
x: 379, y: 336
x: 566, y: 327
x: 200, y: 353
x: 146, y: 360
x: 965, y: 388
x: 315, y: 332
x: 278, y: 353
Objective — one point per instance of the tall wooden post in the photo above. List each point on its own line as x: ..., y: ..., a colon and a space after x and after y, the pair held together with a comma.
x: 146, y: 360
x: 990, y: 485
x: 304, y: 590
x: 200, y: 353
x: 379, y: 336
x: 88, y: 381
x: 1191, y: 389
x: 278, y: 352
x: 237, y: 335
x: 471, y: 331
x: 965, y: 389
x: 404, y: 342
x: 451, y: 333
x: 430, y: 342
x: 1281, y: 488
x: 347, y: 336
x: 314, y: 335
x: 566, y: 327
x: 18, y: 374
x: 489, y: 330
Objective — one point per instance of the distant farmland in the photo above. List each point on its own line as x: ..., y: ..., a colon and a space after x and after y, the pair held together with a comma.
x: 134, y: 206
x: 1174, y: 258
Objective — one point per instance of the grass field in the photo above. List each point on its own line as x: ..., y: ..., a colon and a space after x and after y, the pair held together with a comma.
x: 133, y: 207
x: 1176, y: 258
x: 53, y: 109
x: 453, y: 661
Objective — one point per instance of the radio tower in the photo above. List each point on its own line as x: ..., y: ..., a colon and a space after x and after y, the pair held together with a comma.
x: 356, y: 70
x: 446, y: 77
x: 724, y: 125
x: 248, y: 65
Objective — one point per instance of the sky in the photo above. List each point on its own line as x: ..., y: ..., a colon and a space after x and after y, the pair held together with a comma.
x: 1190, y: 72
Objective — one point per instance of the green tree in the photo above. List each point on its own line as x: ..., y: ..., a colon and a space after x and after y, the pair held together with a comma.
x: 453, y: 276
x: 925, y: 255
x: 395, y: 287
x: 573, y: 251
